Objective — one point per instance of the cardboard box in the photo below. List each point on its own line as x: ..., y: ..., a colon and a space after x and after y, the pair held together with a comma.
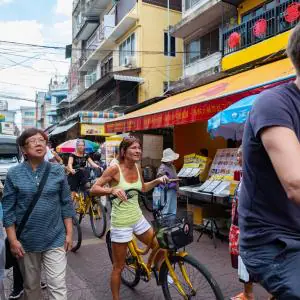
x: 197, y: 213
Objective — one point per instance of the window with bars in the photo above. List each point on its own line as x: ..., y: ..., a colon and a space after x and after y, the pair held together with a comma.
x: 190, y: 3
x: 172, y: 45
x: 106, y: 66
x: 202, y: 47
x: 127, y: 48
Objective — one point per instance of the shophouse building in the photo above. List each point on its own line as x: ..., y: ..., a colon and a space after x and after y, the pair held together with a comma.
x: 120, y: 53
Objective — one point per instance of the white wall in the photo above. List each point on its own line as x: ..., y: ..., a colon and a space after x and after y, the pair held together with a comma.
x: 203, y: 64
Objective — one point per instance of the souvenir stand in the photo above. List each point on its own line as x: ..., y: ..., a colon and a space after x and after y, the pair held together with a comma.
x: 214, y: 194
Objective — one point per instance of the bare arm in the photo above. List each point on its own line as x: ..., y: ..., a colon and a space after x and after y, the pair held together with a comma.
x: 15, y: 246
x: 92, y: 163
x: 148, y: 186
x: 100, y: 189
x: 69, y: 234
x: 283, y: 148
x: 70, y: 165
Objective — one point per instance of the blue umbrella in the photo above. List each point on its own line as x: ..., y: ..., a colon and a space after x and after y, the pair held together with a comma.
x: 229, y: 123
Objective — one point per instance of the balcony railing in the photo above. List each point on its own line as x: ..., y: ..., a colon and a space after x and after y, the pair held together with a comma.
x: 262, y: 27
x: 75, y: 3
x: 96, y: 38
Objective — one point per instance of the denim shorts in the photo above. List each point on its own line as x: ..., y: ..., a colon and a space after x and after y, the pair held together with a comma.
x: 276, y: 266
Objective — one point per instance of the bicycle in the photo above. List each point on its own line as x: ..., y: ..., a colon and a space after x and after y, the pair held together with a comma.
x: 77, y: 235
x: 172, y: 233
x: 84, y: 204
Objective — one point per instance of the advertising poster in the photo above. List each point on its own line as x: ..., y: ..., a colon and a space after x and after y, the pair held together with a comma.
x: 225, y: 162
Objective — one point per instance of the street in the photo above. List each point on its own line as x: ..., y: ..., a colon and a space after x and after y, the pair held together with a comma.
x: 89, y: 270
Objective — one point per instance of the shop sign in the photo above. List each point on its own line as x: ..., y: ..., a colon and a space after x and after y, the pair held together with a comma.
x: 92, y: 129
x: 2, y: 118
x: 194, y: 113
x: 97, y: 117
x: 7, y: 128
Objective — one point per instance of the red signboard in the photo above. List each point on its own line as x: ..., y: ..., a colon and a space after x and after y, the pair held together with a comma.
x: 189, y: 114
x: 179, y: 116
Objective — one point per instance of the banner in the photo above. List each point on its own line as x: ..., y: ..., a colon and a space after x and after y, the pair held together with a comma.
x: 190, y: 114
x: 7, y: 128
x: 92, y: 129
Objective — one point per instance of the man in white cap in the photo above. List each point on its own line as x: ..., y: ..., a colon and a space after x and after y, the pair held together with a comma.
x: 167, y: 168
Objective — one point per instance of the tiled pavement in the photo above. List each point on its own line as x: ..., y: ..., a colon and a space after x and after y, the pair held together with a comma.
x: 89, y: 271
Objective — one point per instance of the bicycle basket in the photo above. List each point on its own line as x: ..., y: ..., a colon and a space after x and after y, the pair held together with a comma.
x: 174, y: 232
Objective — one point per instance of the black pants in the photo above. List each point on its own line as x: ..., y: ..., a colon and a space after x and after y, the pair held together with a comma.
x: 18, y: 279
x: 78, y: 179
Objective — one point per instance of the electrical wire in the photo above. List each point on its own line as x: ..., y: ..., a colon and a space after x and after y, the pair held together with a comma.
x: 36, y: 57
x: 92, y: 50
x: 16, y: 98
x: 28, y: 86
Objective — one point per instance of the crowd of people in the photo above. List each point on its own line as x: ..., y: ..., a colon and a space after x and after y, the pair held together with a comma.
x: 264, y: 236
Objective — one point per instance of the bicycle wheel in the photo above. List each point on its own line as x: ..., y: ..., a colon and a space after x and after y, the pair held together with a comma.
x: 130, y: 275
x: 77, y: 235
x: 147, y: 201
x: 203, y: 284
x: 98, y: 218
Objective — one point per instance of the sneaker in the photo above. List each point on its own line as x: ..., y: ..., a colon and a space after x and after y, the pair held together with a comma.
x: 16, y: 294
x: 43, y: 285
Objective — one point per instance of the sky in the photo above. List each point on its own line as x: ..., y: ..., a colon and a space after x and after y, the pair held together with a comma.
x: 24, y: 69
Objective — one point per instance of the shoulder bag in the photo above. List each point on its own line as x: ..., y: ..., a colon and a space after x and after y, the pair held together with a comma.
x: 11, y: 260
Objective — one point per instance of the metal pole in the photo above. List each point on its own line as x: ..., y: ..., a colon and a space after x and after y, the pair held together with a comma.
x: 169, y: 45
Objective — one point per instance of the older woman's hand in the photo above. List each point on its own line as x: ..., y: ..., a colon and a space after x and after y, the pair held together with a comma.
x: 16, y: 249
x: 68, y: 243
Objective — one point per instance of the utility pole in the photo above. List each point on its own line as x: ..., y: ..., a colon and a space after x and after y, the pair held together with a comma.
x: 169, y: 46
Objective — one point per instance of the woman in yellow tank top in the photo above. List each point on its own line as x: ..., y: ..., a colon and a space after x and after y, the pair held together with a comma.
x: 126, y: 219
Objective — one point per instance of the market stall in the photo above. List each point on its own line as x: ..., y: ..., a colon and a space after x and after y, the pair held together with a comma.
x: 224, y: 172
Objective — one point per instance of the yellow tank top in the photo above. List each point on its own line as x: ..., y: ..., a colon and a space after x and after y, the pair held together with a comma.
x: 127, y: 213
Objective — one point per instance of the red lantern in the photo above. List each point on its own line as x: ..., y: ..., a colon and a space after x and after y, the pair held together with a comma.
x: 260, y: 28
x: 292, y: 13
x: 234, y: 40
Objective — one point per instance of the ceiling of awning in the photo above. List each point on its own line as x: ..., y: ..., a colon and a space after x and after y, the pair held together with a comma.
x: 63, y: 128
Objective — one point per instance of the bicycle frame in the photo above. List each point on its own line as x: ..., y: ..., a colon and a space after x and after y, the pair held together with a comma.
x: 84, y: 201
x: 138, y: 253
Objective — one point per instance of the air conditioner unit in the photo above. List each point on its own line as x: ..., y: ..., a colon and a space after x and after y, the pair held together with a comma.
x: 129, y: 61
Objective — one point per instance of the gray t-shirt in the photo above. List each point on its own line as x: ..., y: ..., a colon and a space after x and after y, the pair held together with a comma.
x: 265, y: 212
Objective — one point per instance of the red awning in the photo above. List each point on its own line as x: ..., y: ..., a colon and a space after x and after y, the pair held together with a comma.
x: 201, y: 103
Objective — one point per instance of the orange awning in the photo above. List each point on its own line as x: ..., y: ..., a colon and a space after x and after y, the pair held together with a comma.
x: 203, y: 102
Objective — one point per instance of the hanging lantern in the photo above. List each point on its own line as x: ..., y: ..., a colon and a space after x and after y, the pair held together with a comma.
x: 292, y: 13
x: 234, y: 40
x: 260, y: 28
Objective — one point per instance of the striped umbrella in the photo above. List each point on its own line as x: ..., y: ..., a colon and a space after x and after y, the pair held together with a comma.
x: 70, y: 146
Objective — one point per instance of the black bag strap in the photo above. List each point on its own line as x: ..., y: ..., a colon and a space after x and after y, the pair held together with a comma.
x: 34, y: 200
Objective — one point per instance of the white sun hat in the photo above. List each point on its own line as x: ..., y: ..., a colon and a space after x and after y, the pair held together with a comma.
x: 169, y: 155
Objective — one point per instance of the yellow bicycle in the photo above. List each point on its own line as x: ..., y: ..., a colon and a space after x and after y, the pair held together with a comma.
x: 85, y: 204
x: 181, y: 276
